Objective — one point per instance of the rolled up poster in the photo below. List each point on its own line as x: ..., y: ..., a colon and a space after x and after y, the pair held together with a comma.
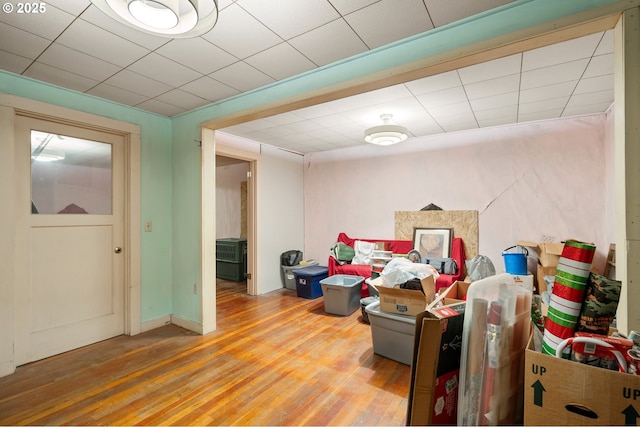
x: 568, y: 293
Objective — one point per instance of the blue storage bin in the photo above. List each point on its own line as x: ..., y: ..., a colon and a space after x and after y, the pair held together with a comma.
x: 308, y: 281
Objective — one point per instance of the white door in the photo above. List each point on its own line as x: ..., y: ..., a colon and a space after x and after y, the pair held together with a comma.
x: 69, y: 205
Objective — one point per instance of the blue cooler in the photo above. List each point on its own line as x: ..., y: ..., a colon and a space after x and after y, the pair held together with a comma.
x: 308, y: 281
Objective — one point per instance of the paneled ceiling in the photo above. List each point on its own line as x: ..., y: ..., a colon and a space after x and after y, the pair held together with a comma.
x: 258, y: 42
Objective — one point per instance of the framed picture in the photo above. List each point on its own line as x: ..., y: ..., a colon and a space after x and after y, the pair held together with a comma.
x: 433, y: 242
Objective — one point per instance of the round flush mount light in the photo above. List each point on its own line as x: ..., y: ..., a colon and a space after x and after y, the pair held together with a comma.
x: 166, y: 18
x: 387, y: 133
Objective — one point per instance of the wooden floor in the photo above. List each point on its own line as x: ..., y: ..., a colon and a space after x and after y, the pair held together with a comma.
x: 275, y: 359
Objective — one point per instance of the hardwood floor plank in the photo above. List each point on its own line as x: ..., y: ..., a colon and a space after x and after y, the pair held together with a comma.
x: 275, y: 359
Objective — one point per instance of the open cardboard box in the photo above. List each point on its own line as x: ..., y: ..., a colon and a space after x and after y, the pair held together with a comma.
x: 563, y: 392
x: 456, y: 293
x: 548, y: 253
x: 405, y: 301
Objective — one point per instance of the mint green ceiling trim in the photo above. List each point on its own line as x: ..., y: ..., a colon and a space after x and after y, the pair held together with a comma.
x: 26, y: 87
x: 510, y: 18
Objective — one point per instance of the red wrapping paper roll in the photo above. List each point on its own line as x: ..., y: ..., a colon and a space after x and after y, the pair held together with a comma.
x: 572, y: 274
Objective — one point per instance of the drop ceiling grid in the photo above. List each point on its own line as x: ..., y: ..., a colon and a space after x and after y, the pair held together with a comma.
x: 253, y: 45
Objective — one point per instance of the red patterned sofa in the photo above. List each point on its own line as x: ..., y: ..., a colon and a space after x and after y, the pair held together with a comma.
x: 397, y: 247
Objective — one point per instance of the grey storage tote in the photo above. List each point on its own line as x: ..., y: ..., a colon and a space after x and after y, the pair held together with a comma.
x: 392, y: 334
x: 342, y: 293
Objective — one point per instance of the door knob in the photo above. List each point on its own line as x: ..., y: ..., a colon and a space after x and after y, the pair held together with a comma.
x: 118, y: 249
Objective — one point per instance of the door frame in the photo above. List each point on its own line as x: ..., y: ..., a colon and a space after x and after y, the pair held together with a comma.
x: 208, y: 217
x: 10, y: 106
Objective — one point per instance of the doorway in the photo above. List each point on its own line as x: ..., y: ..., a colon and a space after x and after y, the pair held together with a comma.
x: 232, y: 176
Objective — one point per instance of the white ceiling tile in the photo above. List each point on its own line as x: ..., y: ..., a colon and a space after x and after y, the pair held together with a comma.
x: 48, y: 24
x: 136, y: 83
x: 457, y: 123
x: 606, y: 44
x: 64, y: 58
x: 241, y: 76
x: 490, y: 102
x: 379, y: 96
x: 332, y: 121
x: 600, y: 65
x: 559, y: 53
x: 270, y: 62
x: 74, y: 7
x: 599, y: 97
x: 20, y: 42
x: 493, y: 87
x: 285, y: 118
x: 545, y: 105
x: 498, y: 121
x: 59, y: 77
x: 348, y: 6
x: 595, y: 84
x: 426, y: 126
x: 289, y: 18
x: 238, y: 32
x: 337, y: 34
x: 458, y: 109
x: 509, y: 112
x: 403, y: 110
x: 13, y: 63
x: 208, y: 88
x: 95, y: 16
x: 570, y: 71
x: 182, y: 99
x: 117, y: 94
x: 164, y: 70
x: 196, y: 53
x: 94, y: 41
x: 445, y: 12
x: 443, y: 97
x: 435, y: 83
x: 545, y: 92
x: 539, y: 115
x: 160, y: 107
x: 579, y: 110
x: 410, y: 14
x: 491, y: 69
x: 303, y: 126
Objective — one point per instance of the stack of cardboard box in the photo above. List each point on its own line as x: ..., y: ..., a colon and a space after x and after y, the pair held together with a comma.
x: 548, y: 257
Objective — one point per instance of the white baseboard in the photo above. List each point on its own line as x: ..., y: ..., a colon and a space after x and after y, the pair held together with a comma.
x: 155, y: 323
x: 171, y: 319
x: 187, y: 324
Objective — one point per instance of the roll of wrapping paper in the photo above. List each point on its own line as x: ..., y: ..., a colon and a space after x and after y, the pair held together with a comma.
x: 475, y: 362
x: 567, y: 296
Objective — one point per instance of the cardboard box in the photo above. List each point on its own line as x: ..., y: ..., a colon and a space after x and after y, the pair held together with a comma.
x: 433, y: 391
x: 548, y: 253
x: 405, y: 301
x: 524, y: 281
x: 544, y: 271
x: 456, y: 293
x: 563, y: 392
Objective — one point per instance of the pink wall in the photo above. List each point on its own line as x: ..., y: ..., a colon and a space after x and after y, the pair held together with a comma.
x: 528, y: 181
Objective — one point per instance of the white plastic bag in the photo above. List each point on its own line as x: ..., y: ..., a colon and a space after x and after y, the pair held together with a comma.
x: 401, y: 270
x: 364, y: 251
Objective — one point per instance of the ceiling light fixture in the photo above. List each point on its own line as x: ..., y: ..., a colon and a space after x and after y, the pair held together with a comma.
x: 386, y: 134
x: 48, y: 155
x: 167, y: 18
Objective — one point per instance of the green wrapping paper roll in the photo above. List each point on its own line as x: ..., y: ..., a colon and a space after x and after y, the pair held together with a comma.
x: 568, y: 293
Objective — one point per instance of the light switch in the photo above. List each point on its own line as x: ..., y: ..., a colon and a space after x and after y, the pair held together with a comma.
x: 147, y: 225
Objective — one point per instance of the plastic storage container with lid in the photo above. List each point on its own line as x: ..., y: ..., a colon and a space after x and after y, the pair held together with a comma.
x: 392, y: 334
x: 342, y: 293
x: 308, y: 281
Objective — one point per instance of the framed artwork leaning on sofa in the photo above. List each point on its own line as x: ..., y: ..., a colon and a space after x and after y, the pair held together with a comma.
x: 433, y: 242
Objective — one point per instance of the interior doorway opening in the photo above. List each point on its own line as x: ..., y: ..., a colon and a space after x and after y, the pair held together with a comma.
x: 232, y: 175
